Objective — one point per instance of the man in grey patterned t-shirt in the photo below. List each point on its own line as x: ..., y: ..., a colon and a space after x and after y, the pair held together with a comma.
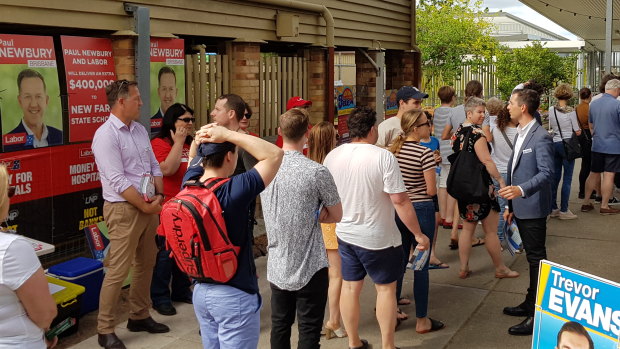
x: 302, y: 195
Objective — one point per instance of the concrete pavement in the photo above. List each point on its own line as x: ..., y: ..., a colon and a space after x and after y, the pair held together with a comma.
x: 471, y: 308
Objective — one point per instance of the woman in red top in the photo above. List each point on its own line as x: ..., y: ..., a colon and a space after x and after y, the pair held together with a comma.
x: 171, y: 148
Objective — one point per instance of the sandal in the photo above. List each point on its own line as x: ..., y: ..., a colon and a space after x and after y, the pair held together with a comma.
x: 333, y: 333
x: 436, y: 325
x: 454, y: 244
x: 364, y: 345
x: 507, y: 275
x: 478, y: 242
x: 464, y: 274
x: 404, y: 301
x: 400, y: 315
x: 439, y: 265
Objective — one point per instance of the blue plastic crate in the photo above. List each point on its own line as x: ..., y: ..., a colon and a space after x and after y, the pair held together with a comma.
x: 82, y: 271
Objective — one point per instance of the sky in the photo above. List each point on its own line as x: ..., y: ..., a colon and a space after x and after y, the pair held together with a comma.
x: 520, y: 10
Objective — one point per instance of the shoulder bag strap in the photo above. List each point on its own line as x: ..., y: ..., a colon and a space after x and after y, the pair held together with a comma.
x: 506, y: 139
x: 558, y: 122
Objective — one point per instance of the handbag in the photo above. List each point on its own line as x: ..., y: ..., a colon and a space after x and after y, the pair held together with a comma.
x: 572, y: 147
x: 468, y: 179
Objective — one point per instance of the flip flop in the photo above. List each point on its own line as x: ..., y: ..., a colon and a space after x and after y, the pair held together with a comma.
x: 454, y: 244
x: 404, y: 301
x: 436, y: 325
x: 400, y: 315
x: 479, y: 242
x: 440, y: 265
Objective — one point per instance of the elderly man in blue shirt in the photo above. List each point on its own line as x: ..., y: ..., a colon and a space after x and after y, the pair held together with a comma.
x: 604, y: 122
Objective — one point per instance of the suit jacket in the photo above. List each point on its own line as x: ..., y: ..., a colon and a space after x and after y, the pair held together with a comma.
x: 158, y: 117
x: 54, y: 137
x: 533, y: 172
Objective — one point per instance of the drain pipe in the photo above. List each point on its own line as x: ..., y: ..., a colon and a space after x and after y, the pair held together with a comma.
x: 141, y: 24
x: 329, y: 40
x: 417, y: 53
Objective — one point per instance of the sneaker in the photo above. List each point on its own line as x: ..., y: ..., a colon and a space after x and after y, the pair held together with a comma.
x: 598, y: 199
x: 555, y: 213
x: 614, y: 201
x: 567, y: 215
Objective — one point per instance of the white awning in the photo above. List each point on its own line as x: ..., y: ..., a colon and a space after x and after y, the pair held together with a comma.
x: 583, y: 18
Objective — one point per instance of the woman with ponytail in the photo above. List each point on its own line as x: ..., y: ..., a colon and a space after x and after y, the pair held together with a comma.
x: 417, y: 165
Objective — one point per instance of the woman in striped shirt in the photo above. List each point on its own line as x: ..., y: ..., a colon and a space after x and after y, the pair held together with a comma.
x: 417, y: 165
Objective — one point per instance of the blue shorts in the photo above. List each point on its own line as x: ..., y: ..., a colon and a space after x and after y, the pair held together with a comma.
x: 383, y: 266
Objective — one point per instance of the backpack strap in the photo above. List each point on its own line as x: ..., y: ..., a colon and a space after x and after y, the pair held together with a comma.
x: 214, y: 183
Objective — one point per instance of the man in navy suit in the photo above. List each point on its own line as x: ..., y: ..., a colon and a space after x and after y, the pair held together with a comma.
x: 530, y: 174
x: 31, y: 132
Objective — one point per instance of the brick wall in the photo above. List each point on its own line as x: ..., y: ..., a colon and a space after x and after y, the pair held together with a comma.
x: 245, y: 59
x: 317, y: 76
x: 124, y: 58
x: 399, y: 69
x: 366, y: 80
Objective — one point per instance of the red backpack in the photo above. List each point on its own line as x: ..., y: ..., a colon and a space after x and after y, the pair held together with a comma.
x: 196, y: 235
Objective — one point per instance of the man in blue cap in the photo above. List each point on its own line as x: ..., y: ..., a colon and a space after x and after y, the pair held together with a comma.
x: 407, y: 98
x: 214, y: 302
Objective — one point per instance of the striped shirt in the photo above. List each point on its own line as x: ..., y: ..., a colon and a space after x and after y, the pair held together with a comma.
x: 415, y: 159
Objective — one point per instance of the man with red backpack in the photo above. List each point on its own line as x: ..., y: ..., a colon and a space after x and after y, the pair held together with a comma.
x: 229, y: 312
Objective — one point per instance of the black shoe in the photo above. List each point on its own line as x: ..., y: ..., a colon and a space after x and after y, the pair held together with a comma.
x: 187, y: 299
x: 581, y: 196
x: 148, y: 325
x: 525, y: 328
x: 519, y: 310
x: 165, y: 309
x: 613, y: 201
x: 110, y: 341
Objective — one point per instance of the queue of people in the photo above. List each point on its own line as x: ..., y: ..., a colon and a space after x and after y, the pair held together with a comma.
x: 333, y: 217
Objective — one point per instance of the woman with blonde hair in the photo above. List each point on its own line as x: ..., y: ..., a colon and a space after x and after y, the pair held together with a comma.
x: 27, y: 307
x: 322, y: 140
x: 417, y: 165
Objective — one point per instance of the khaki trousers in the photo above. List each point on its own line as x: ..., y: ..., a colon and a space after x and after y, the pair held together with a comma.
x: 132, y: 244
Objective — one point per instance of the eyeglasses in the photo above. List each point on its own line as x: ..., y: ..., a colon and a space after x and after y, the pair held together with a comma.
x: 247, y: 115
x: 120, y: 86
x: 187, y: 120
x: 11, y: 192
x: 428, y: 123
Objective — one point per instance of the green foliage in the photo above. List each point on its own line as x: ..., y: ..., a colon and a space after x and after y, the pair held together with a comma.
x: 533, y: 62
x: 451, y: 33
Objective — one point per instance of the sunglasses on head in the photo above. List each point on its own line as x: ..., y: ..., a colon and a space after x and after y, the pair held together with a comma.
x: 11, y: 192
x: 187, y: 120
x: 428, y: 123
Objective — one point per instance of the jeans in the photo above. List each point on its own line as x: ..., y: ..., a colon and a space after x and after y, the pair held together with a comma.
x: 534, y: 234
x: 309, y: 303
x: 502, y: 206
x: 166, y: 277
x: 228, y: 317
x: 568, y: 166
x: 586, y: 159
x: 426, y: 217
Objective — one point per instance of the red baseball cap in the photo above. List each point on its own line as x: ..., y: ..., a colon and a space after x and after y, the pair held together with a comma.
x: 295, y: 102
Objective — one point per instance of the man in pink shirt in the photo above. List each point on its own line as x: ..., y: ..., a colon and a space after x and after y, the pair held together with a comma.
x: 132, y: 188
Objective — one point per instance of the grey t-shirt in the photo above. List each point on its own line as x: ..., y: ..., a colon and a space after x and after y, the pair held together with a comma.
x: 441, y: 119
x: 388, y: 131
x: 296, y: 250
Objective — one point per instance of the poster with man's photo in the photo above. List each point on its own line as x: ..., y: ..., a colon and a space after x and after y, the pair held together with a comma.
x: 575, y: 310
x: 167, y: 77
x: 30, y: 106
x: 89, y: 68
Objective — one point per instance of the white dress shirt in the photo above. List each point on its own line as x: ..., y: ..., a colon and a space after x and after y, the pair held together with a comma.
x: 521, y: 133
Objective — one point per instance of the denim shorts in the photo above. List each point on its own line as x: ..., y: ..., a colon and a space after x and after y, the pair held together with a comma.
x: 383, y: 266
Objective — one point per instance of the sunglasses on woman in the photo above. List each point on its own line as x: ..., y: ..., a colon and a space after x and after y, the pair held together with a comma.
x: 428, y: 123
x: 187, y: 120
x: 11, y: 192
x: 247, y: 115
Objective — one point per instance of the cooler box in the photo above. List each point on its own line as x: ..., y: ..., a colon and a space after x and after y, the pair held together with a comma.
x: 68, y: 299
x: 82, y: 271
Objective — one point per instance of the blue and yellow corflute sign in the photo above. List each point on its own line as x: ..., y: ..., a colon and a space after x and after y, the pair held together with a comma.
x: 577, y: 308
